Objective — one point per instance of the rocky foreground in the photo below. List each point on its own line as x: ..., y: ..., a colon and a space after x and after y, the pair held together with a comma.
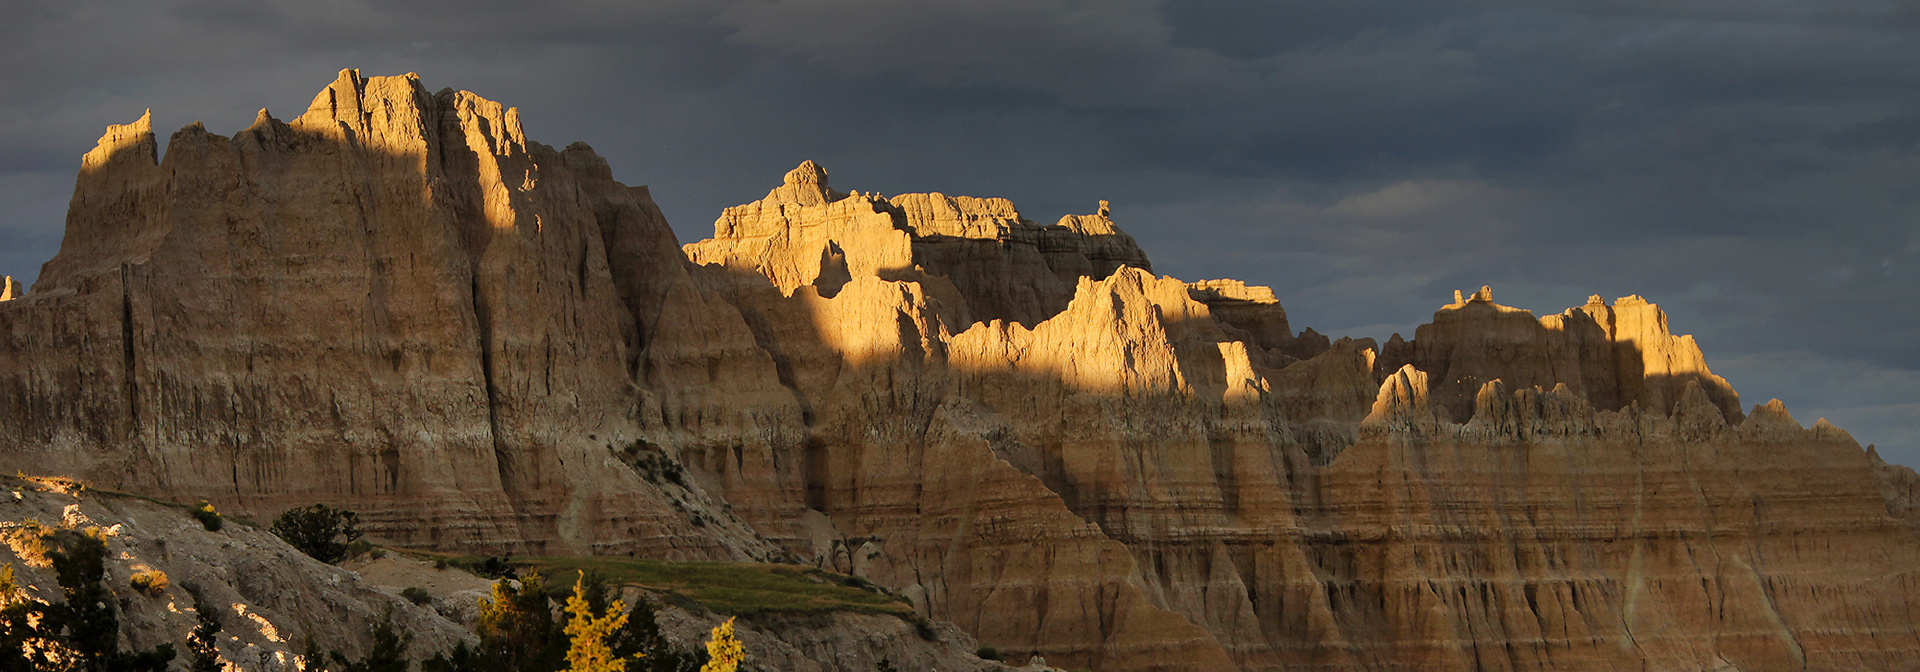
x: 277, y: 606
x: 397, y: 304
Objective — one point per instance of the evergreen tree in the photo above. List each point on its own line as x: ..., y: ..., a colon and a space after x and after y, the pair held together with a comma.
x: 517, y: 630
x: 641, y: 638
x: 203, y: 654
x: 388, y: 653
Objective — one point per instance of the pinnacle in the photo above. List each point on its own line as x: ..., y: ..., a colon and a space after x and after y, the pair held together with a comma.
x: 807, y: 173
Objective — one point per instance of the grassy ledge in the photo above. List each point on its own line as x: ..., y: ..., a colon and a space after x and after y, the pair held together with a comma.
x: 728, y: 588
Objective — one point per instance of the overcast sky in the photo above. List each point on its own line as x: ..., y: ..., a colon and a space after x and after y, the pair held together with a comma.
x: 1750, y: 165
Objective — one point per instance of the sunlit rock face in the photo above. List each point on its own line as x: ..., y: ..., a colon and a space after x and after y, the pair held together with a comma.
x: 1614, y: 355
x: 1303, y: 504
x: 978, y: 253
x: 394, y: 303
x: 398, y: 304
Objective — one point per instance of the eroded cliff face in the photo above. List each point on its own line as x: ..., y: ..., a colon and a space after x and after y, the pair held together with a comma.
x: 1612, y: 355
x: 398, y: 304
x: 998, y: 264
x: 1304, y: 506
x: 394, y: 303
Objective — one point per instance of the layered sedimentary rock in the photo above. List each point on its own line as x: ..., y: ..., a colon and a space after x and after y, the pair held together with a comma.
x: 1335, y: 512
x: 1002, y: 265
x: 1250, y: 314
x: 491, y: 344
x: 1621, y: 539
x: 394, y: 303
x: 1613, y: 355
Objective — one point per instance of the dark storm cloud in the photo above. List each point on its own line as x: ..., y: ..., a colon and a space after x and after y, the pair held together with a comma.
x: 1748, y: 165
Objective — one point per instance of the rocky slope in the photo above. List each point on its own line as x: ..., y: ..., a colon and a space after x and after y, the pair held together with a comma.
x: 272, y: 598
x: 398, y: 304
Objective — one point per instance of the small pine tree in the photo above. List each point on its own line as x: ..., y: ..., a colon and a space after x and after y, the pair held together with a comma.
x: 462, y: 658
x: 723, y: 650
x: 516, y: 628
x: 203, y: 654
x: 642, y: 636
x: 79, y: 564
x: 641, y: 639
x: 388, y: 653
x: 589, y: 649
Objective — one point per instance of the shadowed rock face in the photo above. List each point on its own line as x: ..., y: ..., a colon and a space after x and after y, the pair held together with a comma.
x: 398, y: 304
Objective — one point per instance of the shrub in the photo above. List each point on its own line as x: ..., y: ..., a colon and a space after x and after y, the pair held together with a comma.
x: 151, y: 582
x: 208, y: 518
x: 988, y: 653
x: 319, y: 531
x: 494, y: 568
x: 10, y: 591
x: 417, y: 595
x: 30, y: 541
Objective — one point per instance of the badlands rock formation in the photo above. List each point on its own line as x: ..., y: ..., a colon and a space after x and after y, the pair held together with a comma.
x: 393, y: 303
x: 1613, y: 355
x: 398, y: 304
x: 978, y: 251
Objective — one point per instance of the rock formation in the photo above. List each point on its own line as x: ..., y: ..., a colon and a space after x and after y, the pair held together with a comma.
x: 1613, y: 355
x: 394, y: 303
x: 399, y: 304
x: 1003, y: 265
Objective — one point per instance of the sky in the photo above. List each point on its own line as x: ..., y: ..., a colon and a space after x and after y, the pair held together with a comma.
x: 1749, y: 165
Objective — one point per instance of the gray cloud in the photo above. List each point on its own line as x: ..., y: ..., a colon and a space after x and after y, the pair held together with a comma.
x: 1748, y: 165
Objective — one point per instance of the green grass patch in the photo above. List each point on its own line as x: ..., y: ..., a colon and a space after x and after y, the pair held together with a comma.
x: 731, y: 588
